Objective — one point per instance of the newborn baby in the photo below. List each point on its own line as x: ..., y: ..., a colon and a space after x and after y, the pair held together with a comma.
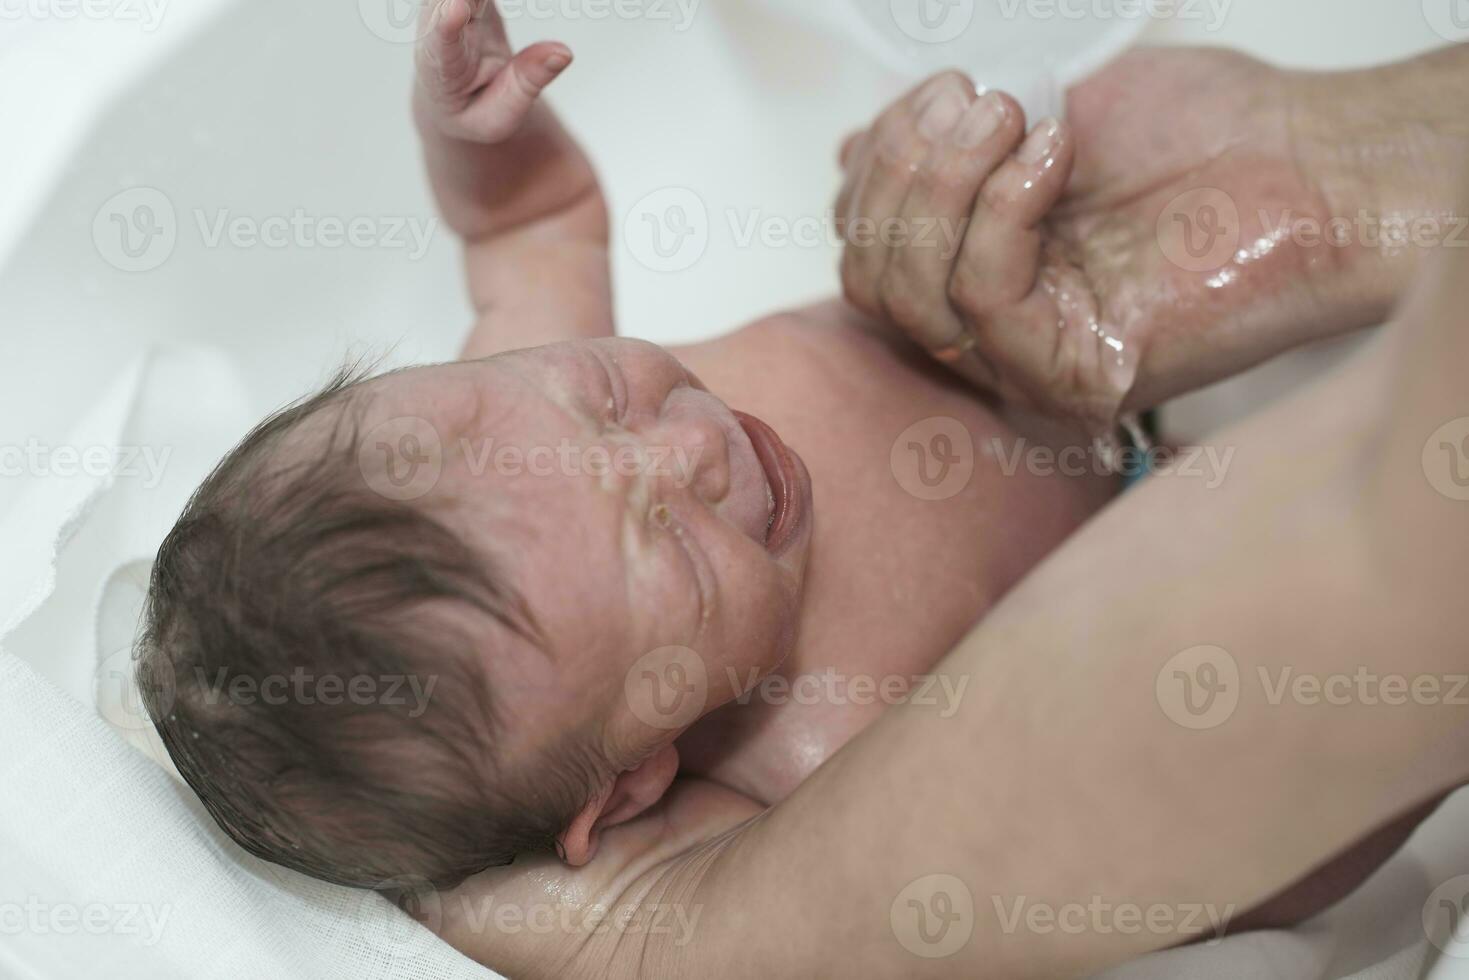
x: 764, y: 527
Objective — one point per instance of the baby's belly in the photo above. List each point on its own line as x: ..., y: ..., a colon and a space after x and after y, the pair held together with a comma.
x: 906, y: 557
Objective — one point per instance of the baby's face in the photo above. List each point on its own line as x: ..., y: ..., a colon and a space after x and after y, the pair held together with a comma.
x: 633, y: 511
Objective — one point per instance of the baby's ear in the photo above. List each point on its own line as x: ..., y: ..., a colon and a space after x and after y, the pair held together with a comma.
x: 633, y: 792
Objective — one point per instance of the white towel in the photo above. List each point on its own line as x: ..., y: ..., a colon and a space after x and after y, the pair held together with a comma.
x: 108, y: 866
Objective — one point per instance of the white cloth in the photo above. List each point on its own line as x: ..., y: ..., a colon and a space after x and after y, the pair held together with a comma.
x: 107, y: 865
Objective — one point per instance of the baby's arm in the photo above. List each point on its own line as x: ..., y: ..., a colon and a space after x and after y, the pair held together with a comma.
x: 511, y: 183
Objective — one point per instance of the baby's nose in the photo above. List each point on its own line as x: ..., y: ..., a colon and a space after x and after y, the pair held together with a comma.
x: 690, y: 451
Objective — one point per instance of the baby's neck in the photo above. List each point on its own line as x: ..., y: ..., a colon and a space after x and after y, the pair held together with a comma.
x: 898, y: 573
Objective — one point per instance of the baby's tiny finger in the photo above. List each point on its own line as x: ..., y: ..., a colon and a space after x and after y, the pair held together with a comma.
x: 538, y: 65
x: 452, y: 17
x: 513, y: 92
x: 935, y: 218
x: 895, y: 150
x: 855, y: 161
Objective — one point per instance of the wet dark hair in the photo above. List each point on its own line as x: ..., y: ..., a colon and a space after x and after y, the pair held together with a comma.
x: 285, y: 561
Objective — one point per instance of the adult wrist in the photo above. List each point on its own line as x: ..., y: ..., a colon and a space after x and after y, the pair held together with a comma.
x: 1386, y: 148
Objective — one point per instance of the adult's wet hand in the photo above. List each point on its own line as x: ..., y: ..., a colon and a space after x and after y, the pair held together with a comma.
x: 1149, y: 245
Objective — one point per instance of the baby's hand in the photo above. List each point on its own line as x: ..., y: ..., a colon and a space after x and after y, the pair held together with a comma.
x: 473, y: 86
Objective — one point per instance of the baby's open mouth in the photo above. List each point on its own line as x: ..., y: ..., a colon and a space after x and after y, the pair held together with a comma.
x: 789, y: 483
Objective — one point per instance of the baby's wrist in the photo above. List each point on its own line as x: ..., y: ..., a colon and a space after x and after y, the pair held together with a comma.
x: 488, y: 189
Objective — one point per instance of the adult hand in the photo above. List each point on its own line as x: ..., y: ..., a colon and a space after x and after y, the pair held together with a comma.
x: 1175, y: 230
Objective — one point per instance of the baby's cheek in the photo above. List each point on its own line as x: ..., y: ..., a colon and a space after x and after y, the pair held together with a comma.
x: 765, y: 625
x: 668, y: 589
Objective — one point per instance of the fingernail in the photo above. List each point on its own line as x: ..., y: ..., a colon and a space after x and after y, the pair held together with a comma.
x: 557, y: 63
x: 980, y: 122
x: 1039, y: 144
x: 941, y: 116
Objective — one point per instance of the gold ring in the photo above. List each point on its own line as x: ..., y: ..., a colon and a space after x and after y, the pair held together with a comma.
x: 956, y: 351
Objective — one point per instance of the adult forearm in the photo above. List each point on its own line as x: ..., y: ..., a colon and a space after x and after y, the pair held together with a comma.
x: 1169, y: 716
x: 1329, y: 236
x: 1386, y: 146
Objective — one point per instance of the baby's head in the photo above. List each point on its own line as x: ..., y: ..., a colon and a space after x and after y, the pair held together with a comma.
x: 392, y: 635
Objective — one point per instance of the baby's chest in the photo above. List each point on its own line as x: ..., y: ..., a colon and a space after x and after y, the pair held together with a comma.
x: 857, y: 658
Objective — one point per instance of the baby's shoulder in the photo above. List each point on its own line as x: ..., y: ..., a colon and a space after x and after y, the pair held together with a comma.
x: 807, y: 346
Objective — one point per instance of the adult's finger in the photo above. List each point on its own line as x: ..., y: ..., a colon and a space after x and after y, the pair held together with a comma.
x: 935, y: 218
x: 899, y: 142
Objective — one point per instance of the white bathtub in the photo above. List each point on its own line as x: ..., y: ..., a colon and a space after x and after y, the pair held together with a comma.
x: 272, y: 111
